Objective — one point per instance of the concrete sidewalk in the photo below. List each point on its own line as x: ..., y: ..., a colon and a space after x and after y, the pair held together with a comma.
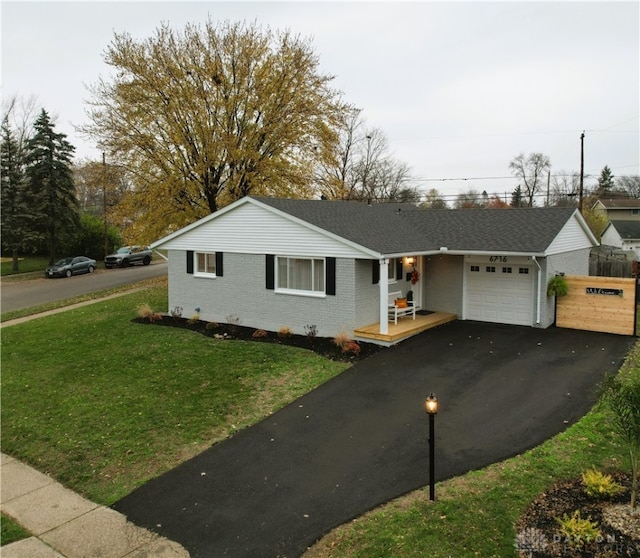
x: 66, y: 525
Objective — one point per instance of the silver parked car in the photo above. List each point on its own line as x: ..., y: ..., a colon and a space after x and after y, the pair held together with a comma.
x: 66, y: 267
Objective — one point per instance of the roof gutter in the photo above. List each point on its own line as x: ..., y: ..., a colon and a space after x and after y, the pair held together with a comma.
x: 445, y: 250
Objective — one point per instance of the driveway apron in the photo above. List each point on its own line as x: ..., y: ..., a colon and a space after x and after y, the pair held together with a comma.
x: 361, y: 439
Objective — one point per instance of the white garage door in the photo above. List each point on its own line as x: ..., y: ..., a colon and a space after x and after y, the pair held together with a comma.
x: 499, y: 293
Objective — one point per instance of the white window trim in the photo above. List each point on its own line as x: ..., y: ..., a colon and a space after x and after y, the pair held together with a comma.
x: 204, y: 274
x: 393, y: 262
x: 299, y: 292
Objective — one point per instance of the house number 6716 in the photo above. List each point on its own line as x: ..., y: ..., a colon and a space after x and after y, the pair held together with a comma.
x: 501, y: 259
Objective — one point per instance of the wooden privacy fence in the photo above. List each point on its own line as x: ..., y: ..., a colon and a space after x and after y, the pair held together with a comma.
x: 606, y: 304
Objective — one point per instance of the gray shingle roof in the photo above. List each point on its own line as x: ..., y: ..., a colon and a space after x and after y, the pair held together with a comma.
x: 627, y: 229
x: 390, y: 228
x: 620, y: 203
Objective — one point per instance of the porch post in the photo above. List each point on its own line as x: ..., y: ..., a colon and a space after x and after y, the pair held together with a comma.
x: 384, y: 295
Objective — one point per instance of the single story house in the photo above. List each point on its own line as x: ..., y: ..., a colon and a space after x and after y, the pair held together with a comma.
x: 270, y: 263
x: 624, y: 234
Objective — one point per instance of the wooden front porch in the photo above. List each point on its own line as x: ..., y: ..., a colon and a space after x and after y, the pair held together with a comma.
x: 405, y: 328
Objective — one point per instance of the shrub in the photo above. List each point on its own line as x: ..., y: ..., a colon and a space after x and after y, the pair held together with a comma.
x: 259, y: 333
x: 145, y: 311
x: 599, y: 485
x: 341, y: 340
x: 177, y: 312
x: 352, y: 347
x: 311, y: 331
x: 576, y: 530
x: 623, y: 400
x: 211, y: 325
x: 195, y: 317
x: 558, y: 286
x: 284, y: 332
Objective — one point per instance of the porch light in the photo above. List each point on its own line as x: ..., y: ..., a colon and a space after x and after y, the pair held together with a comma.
x: 409, y: 260
x: 431, y: 405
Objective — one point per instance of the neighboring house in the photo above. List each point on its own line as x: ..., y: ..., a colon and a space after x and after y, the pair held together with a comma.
x: 624, y: 234
x: 269, y: 262
x: 619, y: 208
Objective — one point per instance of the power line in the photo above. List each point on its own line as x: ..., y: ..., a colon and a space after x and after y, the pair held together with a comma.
x: 466, y: 178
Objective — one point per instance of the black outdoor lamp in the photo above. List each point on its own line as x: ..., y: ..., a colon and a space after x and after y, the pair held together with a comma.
x: 431, y: 405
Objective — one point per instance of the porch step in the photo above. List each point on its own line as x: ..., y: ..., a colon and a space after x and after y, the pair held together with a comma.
x: 405, y: 328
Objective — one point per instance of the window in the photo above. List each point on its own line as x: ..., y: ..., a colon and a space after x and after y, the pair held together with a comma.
x: 506, y: 270
x: 475, y: 268
x: 491, y: 269
x: 300, y: 274
x: 523, y: 271
x: 392, y: 270
x: 205, y: 264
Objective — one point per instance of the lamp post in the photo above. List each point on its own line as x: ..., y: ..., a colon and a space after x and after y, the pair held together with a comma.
x: 431, y: 405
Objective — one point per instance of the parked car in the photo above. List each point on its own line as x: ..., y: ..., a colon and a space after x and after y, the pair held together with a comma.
x: 129, y: 255
x: 66, y: 267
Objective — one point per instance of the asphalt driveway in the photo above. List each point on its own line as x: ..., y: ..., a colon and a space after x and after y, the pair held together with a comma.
x: 361, y: 439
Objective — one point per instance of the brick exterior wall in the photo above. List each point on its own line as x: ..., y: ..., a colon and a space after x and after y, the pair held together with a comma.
x: 241, y: 293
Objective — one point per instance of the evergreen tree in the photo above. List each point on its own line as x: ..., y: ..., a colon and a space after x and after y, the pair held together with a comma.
x: 17, y: 225
x: 516, y: 197
x: 605, y: 181
x: 50, y: 183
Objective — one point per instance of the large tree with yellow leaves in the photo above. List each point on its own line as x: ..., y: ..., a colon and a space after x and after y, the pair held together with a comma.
x: 204, y: 116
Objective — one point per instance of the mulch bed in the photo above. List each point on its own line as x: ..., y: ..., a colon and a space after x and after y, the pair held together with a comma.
x: 324, y: 346
x: 539, y: 534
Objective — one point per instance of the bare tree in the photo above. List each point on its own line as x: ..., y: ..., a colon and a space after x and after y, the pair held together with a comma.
x: 470, y: 198
x: 532, y: 170
x: 565, y: 189
x: 629, y: 184
x: 434, y: 200
x: 361, y: 167
x: 19, y: 114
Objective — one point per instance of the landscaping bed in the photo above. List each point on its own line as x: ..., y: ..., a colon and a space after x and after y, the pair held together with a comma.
x: 341, y: 349
x: 618, y: 529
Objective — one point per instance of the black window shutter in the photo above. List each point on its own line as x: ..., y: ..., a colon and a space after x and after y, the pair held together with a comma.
x: 189, y: 261
x: 330, y: 272
x: 375, y: 271
x: 399, y: 269
x: 219, y: 264
x: 270, y: 271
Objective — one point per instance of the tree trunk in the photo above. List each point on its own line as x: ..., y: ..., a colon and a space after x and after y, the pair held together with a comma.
x: 15, y: 264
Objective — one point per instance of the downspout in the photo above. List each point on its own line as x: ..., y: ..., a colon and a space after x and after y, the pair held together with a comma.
x: 539, y: 297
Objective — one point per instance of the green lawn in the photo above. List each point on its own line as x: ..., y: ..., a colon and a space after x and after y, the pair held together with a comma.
x: 30, y: 264
x: 103, y: 404
x: 10, y: 531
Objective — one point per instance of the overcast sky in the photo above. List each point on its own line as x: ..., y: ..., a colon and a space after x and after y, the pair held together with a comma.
x: 459, y: 88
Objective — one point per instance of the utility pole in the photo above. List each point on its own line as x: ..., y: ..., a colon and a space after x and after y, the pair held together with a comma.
x: 581, y: 170
x: 104, y: 205
x: 548, y: 184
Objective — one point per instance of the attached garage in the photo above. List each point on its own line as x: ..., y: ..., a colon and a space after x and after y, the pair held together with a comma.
x: 499, y: 291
